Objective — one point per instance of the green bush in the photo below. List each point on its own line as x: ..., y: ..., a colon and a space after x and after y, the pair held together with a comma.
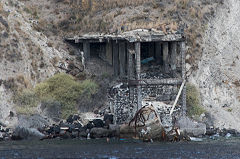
x: 65, y: 89
x: 193, y: 103
x: 61, y: 88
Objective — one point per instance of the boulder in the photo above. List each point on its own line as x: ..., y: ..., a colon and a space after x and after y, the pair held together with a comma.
x: 70, y: 119
x: 108, y: 119
x: 51, y: 109
x: 34, y: 121
x: 115, y: 129
x: 100, y: 133
x: 191, y: 127
x: 98, y: 123
x: 26, y: 133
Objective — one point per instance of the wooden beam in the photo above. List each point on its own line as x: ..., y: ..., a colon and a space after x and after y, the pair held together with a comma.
x: 178, y: 95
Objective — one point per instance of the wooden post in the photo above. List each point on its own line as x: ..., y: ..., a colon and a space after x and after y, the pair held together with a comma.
x: 115, y: 58
x: 184, y: 105
x: 178, y: 95
x: 122, y: 58
x: 86, y: 50
x: 165, y: 57
x: 138, y: 74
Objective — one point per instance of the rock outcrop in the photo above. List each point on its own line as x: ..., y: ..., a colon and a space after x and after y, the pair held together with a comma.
x: 218, y: 71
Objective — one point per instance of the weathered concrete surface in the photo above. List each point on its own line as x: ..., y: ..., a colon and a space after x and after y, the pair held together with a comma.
x: 190, y: 127
x: 219, y: 69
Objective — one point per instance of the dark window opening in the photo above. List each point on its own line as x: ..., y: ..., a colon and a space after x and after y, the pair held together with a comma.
x: 98, y: 50
x: 151, y: 53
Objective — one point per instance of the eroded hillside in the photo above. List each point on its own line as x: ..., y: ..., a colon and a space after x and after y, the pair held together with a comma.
x: 32, y: 45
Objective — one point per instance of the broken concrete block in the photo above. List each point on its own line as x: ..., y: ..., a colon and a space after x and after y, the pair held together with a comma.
x: 190, y: 127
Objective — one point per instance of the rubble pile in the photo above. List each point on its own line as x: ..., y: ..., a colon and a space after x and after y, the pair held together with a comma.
x: 5, y: 133
x: 155, y: 72
x: 74, y: 128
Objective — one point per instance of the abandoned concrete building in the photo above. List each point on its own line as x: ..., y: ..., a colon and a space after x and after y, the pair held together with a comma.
x: 149, y: 66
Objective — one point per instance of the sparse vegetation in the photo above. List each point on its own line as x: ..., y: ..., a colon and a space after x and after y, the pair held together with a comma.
x: 62, y: 88
x: 193, y: 101
x: 27, y: 102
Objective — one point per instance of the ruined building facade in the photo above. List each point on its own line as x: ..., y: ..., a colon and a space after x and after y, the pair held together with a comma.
x: 149, y: 67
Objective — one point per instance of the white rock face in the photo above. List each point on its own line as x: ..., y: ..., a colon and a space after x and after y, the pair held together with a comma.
x: 219, y: 70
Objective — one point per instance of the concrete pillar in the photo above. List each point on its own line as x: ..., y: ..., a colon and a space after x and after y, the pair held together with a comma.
x: 86, y: 50
x: 173, y: 60
x: 182, y: 51
x: 165, y: 57
x: 122, y: 58
x: 138, y: 73
x: 109, y: 53
x: 130, y: 71
x: 116, y: 58
x: 151, y: 49
x: 130, y: 53
x: 158, y: 52
x: 102, y: 51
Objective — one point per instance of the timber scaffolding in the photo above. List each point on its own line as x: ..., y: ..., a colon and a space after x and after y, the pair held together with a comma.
x: 129, y: 53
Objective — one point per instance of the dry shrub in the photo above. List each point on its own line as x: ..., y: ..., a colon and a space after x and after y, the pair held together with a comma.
x: 194, y: 107
x: 1, y: 7
x: 237, y: 83
x: 182, y: 3
x: 22, y: 80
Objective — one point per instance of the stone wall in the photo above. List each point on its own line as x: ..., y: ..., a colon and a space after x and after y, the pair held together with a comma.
x: 123, y: 100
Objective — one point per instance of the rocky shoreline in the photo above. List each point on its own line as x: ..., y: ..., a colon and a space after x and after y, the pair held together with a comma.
x: 102, y: 128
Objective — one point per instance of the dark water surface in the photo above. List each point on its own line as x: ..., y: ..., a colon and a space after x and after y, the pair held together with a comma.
x: 212, y: 149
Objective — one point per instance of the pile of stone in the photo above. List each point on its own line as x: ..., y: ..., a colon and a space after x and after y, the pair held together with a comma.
x: 215, y: 133
x: 154, y: 72
x: 73, y: 128
x: 5, y: 133
x: 121, y: 103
